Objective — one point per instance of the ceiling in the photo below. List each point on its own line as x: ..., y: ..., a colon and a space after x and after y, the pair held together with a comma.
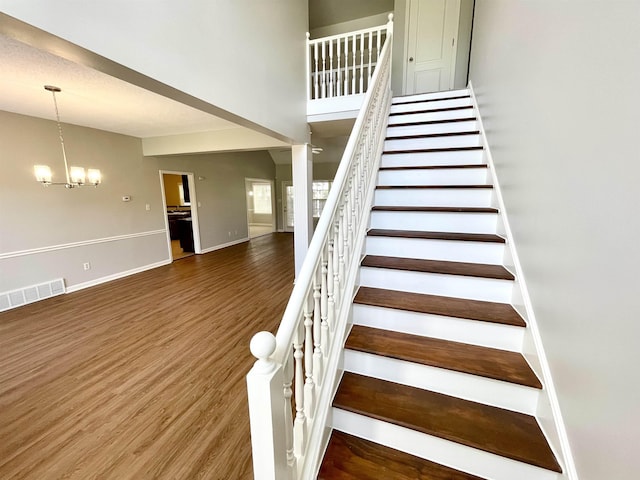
x: 91, y: 98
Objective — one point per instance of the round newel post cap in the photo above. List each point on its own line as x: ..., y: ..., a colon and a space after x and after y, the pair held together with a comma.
x: 390, y: 17
x: 262, y: 346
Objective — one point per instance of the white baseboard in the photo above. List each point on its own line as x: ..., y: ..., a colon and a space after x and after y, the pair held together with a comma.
x: 225, y: 245
x: 115, y: 276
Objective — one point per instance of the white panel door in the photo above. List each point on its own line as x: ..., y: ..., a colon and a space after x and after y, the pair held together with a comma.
x: 431, y: 38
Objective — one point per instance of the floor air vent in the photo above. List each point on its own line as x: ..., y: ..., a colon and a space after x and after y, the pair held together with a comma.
x: 23, y: 296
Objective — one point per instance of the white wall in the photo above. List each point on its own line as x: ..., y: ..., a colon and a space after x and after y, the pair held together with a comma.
x: 93, y: 224
x: 557, y: 86
x: 244, y: 56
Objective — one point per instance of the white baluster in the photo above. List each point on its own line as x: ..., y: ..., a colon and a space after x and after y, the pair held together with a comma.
x: 346, y: 66
x: 338, y: 79
x: 378, y: 46
x: 300, y: 422
x: 331, y: 92
x: 370, y: 49
x: 316, y: 73
x: 324, y: 298
x: 341, y: 240
x: 309, y: 386
x: 353, y: 65
x: 324, y: 79
x: 288, y: 420
x: 331, y: 301
x: 317, y: 327
x: 336, y: 262
x: 361, y: 63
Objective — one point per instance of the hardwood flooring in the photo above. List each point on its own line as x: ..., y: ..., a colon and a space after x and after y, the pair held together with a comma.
x: 142, y: 377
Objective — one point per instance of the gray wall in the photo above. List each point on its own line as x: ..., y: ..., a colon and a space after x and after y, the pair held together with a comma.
x: 35, y: 217
x: 222, y: 193
x: 557, y: 86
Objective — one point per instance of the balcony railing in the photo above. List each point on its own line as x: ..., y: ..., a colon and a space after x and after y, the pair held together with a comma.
x: 341, y: 66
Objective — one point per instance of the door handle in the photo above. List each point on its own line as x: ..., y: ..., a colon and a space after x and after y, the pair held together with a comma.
x: 411, y: 59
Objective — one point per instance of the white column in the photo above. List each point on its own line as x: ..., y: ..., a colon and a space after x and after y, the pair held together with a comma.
x: 302, y: 172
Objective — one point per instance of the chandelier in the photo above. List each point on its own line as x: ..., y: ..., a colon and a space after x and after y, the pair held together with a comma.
x: 76, y: 176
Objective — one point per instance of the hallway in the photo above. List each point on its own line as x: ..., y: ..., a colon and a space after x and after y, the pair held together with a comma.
x: 142, y: 377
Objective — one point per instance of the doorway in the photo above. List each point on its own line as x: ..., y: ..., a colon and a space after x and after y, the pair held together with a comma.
x: 181, y: 216
x: 261, y: 218
x: 431, y: 45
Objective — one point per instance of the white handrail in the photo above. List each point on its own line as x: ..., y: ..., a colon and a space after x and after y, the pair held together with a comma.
x: 301, y: 361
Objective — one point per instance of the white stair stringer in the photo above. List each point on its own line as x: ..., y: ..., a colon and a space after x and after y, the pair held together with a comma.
x: 460, y: 222
x: 449, y: 250
x: 475, y: 332
x: 509, y: 396
x: 435, y: 449
x: 434, y: 176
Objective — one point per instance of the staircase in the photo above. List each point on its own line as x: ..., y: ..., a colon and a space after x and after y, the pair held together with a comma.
x: 435, y: 385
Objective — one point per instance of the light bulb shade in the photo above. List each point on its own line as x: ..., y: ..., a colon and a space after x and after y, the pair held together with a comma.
x: 94, y: 176
x: 76, y: 174
x: 43, y: 173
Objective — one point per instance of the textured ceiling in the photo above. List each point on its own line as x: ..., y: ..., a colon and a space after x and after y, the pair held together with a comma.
x: 90, y: 98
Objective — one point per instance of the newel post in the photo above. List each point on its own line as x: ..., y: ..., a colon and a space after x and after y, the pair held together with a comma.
x: 265, y: 391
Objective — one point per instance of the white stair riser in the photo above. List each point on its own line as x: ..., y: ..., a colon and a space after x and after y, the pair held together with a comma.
x: 430, y: 96
x: 475, y: 332
x: 468, y: 126
x: 474, y: 288
x: 431, y: 116
x: 440, y: 176
x: 450, y: 250
x: 445, y: 452
x: 452, y: 141
x: 465, y: 157
x: 478, y: 389
x: 435, y: 221
x: 430, y: 105
x: 434, y: 197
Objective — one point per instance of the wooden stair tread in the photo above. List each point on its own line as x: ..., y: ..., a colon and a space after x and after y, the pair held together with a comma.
x: 502, y: 432
x: 460, y: 357
x: 463, y: 237
x: 439, y: 266
x: 433, y: 122
x: 388, y: 187
x: 493, y: 312
x: 436, y: 167
x: 458, y: 97
x: 433, y: 135
x: 353, y: 458
x: 433, y: 150
x: 408, y: 208
x: 433, y: 110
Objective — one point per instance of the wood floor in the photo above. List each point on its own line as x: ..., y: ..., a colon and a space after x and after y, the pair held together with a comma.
x: 142, y: 377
